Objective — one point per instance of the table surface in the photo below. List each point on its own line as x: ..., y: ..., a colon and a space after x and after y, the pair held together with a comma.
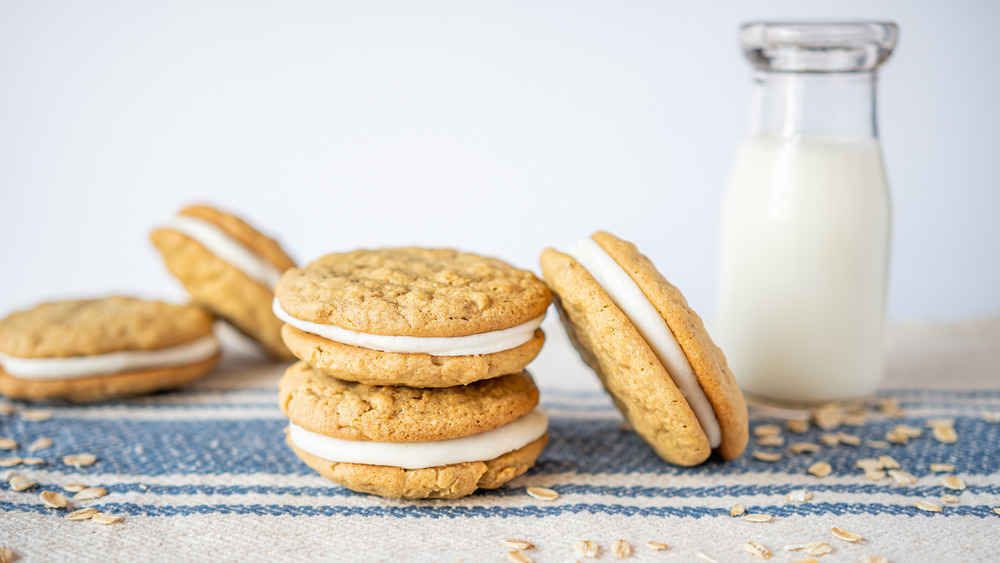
x: 205, y: 473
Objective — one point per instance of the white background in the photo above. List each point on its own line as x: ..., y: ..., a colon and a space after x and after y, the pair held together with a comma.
x: 499, y: 127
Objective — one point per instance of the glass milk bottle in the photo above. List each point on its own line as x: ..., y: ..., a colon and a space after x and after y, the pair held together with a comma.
x: 806, y: 218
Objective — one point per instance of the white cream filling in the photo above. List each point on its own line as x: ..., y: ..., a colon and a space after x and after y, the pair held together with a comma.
x: 227, y: 249
x: 633, y: 302
x: 417, y: 455
x: 111, y: 363
x: 471, y: 345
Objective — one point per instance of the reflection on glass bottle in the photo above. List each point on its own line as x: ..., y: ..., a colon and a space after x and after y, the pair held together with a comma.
x: 806, y: 218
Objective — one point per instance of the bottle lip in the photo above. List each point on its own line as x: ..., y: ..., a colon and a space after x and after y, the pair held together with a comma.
x: 818, y: 47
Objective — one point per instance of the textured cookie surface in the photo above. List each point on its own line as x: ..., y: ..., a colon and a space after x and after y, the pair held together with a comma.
x: 413, y: 292
x: 99, y: 326
x: 414, y: 370
x: 706, y: 359
x: 237, y: 228
x: 445, y: 482
x: 355, y: 411
x: 222, y: 289
x: 628, y: 368
x: 99, y: 388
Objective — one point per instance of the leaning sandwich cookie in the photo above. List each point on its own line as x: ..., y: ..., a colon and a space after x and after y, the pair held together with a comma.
x: 650, y: 350
x: 229, y: 268
x: 91, y: 350
x: 412, y: 316
x: 404, y: 442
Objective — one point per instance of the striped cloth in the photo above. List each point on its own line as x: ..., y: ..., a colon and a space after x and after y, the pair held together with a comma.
x: 205, y: 474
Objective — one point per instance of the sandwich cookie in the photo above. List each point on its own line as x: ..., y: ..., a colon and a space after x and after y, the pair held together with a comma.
x: 403, y: 442
x: 650, y: 350
x: 412, y: 316
x: 91, y: 350
x: 229, y: 268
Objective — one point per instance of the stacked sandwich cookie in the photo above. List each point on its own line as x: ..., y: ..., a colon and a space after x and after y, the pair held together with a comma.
x: 229, y: 268
x: 91, y: 350
x: 412, y: 381
x: 650, y: 350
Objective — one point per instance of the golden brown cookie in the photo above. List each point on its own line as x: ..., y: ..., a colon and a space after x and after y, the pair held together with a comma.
x: 354, y: 411
x: 634, y: 376
x: 90, y: 350
x: 444, y: 482
x: 241, y: 298
x: 363, y: 365
x: 413, y: 292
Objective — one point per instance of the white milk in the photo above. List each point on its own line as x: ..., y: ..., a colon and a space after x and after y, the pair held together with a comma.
x: 804, y: 250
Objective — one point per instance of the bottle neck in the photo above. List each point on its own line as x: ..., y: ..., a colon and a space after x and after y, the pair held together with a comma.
x: 790, y: 104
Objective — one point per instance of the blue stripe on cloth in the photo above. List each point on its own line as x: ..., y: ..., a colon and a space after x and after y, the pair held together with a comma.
x: 431, y: 510
x: 161, y: 447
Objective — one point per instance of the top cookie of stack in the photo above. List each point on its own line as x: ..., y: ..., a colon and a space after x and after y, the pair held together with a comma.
x: 412, y: 316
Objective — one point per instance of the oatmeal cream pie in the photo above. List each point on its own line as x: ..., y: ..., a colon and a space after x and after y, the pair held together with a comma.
x: 412, y: 316
x: 229, y: 268
x: 404, y: 442
x: 649, y: 348
x: 90, y: 350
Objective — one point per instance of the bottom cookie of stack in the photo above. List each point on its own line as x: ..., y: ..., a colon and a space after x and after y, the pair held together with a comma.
x: 403, y: 442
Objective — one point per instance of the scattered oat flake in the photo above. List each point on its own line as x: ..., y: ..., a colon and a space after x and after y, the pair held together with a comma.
x: 105, y: 518
x: 10, y: 461
x: 819, y: 548
x: 775, y: 441
x: 90, y: 493
x: 942, y: 467
x: 542, y: 493
x: 74, y: 487
x: 805, y: 560
x: 907, y: 430
x: 766, y: 456
x: 767, y: 430
x: 621, y: 549
x: 820, y: 469
x: 844, y: 535
x: 798, y: 426
x: 950, y: 499
x: 801, y: 546
x: 902, y: 477
x: 992, y: 417
x: 827, y: 418
x: 757, y: 517
x: 33, y: 461
x: 945, y: 434
x: 657, y: 546
x: 877, y: 443
x: 953, y: 483
x: 83, y: 460
x: 704, y: 557
x: 758, y: 549
x: 587, y: 548
x: 896, y: 437
x: 53, y: 500
x: 35, y: 415
x: 874, y: 475
x: 856, y: 419
x: 40, y: 444
x: 829, y: 439
x: 518, y: 557
x: 513, y: 543
x: 805, y: 448
x: 737, y: 510
x: 82, y: 514
x: 927, y: 506
x: 997, y: 510
x: 888, y: 462
x: 877, y: 559
x: 849, y: 439
x: 799, y: 495
x: 936, y: 422
x: 869, y: 463
x: 8, y: 443
x: 6, y: 554
x: 21, y: 483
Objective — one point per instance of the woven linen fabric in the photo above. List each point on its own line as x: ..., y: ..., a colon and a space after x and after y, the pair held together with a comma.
x: 204, y: 474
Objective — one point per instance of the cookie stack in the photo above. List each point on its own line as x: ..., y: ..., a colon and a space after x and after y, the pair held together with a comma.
x: 412, y: 381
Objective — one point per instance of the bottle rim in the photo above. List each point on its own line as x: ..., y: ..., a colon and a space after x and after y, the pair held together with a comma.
x: 818, y: 47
